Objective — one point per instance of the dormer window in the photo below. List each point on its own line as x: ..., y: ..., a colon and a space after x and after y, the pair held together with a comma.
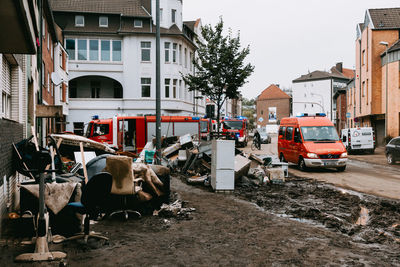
x: 79, y: 21
x: 103, y: 21
x: 173, y: 14
x: 138, y: 23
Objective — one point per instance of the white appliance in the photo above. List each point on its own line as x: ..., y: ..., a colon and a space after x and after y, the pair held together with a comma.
x: 223, y: 165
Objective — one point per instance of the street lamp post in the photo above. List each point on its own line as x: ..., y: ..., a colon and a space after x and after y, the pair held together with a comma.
x: 387, y: 75
x: 158, y: 86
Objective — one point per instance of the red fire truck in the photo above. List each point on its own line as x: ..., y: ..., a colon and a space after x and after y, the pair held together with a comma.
x: 206, y: 127
x: 132, y: 133
x: 236, y: 128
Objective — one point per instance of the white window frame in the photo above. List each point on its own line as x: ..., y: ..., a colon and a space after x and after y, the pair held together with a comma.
x: 161, y: 14
x: 185, y: 56
x: 174, y: 53
x: 79, y: 24
x: 167, y: 88
x: 139, y: 25
x: 167, y: 54
x: 144, y: 48
x: 104, y: 25
x: 144, y: 84
x: 180, y: 54
x: 174, y: 88
x: 173, y: 15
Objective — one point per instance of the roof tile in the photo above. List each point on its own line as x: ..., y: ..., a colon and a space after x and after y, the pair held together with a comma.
x: 272, y: 92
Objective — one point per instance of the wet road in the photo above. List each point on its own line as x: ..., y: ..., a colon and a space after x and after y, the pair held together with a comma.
x: 377, y: 179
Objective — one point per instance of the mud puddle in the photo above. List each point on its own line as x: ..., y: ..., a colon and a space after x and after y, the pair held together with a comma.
x: 365, y: 218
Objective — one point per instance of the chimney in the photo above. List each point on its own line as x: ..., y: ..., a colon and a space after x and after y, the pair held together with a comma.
x: 277, y: 85
x: 339, y: 67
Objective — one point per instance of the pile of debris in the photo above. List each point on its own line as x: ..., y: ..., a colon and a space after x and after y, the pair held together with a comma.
x: 193, y: 160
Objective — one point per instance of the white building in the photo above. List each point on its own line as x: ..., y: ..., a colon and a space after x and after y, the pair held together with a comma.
x: 112, y: 57
x: 313, y: 92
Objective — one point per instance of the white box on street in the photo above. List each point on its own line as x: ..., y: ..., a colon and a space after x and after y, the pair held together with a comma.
x: 223, y: 165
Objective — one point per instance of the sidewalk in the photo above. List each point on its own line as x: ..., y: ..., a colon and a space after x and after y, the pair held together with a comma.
x: 377, y: 158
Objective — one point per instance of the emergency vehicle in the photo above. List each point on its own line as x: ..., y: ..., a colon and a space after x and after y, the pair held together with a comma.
x: 311, y: 141
x: 132, y: 133
x: 206, y: 128
x: 359, y: 139
x: 236, y: 127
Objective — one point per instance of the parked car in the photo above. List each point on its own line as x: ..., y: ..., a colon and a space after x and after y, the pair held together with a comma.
x: 392, y: 150
x: 359, y: 139
x: 265, y: 137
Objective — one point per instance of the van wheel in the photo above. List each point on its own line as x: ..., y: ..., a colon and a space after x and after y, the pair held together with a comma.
x: 390, y: 159
x: 341, y: 169
x: 282, y: 158
x: 302, y: 165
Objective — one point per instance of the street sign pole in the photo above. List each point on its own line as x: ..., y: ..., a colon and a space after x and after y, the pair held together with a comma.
x: 158, y: 87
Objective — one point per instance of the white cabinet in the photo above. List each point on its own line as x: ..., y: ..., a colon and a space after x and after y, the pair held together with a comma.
x: 223, y: 165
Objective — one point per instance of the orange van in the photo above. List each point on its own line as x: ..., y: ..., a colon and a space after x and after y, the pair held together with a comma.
x: 311, y: 141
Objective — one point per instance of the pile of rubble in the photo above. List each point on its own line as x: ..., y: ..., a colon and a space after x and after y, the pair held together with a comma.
x: 192, y: 159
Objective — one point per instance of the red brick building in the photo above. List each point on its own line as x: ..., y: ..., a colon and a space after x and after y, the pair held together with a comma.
x: 272, y: 105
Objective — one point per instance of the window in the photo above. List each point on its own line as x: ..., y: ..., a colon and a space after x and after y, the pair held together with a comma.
x: 363, y: 58
x: 138, y: 23
x: 116, y: 50
x: 180, y: 54
x: 173, y: 14
x: 262, y: 112
x: 101, y: 129
x: 167, y: 84
x: 191, y: 61
x: 146, y: 48
x: 297, y: 136
x: 60, y: 59
x: 167, y: 46
x: 48, y: 82
x: 146, y: 86
x: 105, y: 50
x: 289, y: 133
x: 48, y: 41
x: 70, y: 46
x: 95, y: 86
x: 161, y: 14
x: 6, y: 106
x: 175, y: 81
x: 363, y: 88
x: 79, y: 21
x: 180, y: 89
x: 94, y: 50
x: 185, y: 56
x: 366, y: 89
x: 103, y: 21
x: 82, y: 49
x: 174, y: 47
x: 282, y: 132
x: 51, y: 50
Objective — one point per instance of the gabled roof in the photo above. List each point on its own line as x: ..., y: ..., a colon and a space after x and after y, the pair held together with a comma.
x: 394, y: 47
x: 385, y: 18
x: 190, y: 24
x: 130, y: 8
x: 273, y: 92
x: 318, y: 75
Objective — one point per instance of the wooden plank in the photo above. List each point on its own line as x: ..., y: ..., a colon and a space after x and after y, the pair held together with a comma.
x: 83, y: 163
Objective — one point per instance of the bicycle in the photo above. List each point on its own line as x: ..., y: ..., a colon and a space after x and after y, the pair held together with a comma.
x: 255, y: 145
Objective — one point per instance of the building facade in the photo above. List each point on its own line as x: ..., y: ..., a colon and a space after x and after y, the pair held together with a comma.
x: 19, y: 30
x: 314, y: 92
x: 368, y: 107
x: 112, y: 59
x: 272, y: 105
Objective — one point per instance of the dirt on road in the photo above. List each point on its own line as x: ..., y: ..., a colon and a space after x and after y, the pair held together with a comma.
x: 299, y: 223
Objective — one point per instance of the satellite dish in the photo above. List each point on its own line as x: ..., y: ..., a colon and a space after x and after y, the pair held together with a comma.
x: 56, y: 79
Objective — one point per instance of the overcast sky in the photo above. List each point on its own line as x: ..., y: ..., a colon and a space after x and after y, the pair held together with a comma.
x: 288, y: 38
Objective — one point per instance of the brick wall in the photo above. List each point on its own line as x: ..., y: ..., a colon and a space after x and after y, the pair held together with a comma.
x: 10, y: 132
x: 282, y: 109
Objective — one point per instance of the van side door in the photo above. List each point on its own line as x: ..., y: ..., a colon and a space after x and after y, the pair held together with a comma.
x: 290, y: 150
x: 297, y: 143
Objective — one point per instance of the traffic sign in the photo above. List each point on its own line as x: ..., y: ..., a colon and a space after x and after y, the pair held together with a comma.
x: 348, y: 115
x: 260, y: 119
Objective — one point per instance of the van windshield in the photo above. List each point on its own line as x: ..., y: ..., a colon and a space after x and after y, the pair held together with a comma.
x: 319, y: 133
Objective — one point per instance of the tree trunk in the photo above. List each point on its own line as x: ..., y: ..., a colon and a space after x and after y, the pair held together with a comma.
x: 218, y: 119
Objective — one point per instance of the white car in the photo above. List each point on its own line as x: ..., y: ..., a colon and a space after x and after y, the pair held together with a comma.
x: 359, y: 139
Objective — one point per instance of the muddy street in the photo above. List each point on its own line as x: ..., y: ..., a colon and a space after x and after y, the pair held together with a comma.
x: 361, y: 175
x: 248, y: 228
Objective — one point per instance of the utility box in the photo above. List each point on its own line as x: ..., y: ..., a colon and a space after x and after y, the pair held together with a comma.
x: 223, y: 165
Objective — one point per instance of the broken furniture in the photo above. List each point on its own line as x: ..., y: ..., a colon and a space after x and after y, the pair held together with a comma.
x: 41, y: 253
x: 94, y: 194
x: 123, y: 183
